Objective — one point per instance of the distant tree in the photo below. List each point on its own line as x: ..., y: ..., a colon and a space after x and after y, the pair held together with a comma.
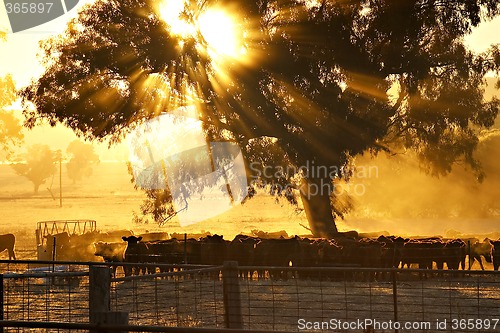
x: 320, y: 81
x: 39, y: 165
x: 83, y: 157
x: 10, y: 127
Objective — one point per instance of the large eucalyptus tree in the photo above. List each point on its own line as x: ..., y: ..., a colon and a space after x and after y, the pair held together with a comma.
x: 327, y: 79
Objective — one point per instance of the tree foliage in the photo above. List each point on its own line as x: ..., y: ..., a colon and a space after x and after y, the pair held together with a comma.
x: 327, y: 79
x: 10, y: 127
x: 83, y: 157
x: 38, y: 166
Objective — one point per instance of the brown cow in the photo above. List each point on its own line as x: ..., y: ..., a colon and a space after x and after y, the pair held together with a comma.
x: 7, y: 242
x: 60, y: 243
x: 110, y: 252
x: 478, y: 249
x: 269, y: 235
x: 495, y: 254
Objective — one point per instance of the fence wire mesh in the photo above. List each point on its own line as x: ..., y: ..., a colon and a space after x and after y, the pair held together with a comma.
x: 287, y: 297
x: 264, y: 298
x: 44, y: 292
x: 187, y: 298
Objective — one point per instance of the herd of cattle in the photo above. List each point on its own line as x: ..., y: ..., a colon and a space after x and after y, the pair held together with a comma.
x: 272, y: 250
x: 347, y: 250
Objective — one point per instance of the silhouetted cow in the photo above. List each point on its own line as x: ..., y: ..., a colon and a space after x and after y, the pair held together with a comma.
x: 7, y: 242
x: 478, y: 249
x: 454, y: 252
x: 213, y: 250
x: 277, y: 253
x: 136, y: 252
x: 495, y: 254
x: 242, y: 250
x: 60, y: 243
x: 166, y: 252
x: 391, y: 257
x: 423, y: 253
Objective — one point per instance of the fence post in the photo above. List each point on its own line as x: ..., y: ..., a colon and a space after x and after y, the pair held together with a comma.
x: 1, y: 300
x: 232, y: 298
x: 99, y: 291
x: 395, y: 294
x: 470, y: 262
x: 111, y: 318
x: 185, y: 249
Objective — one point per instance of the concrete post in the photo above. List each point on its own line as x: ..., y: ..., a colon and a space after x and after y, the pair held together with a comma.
x: 99, y: 291
x: 232, y: 298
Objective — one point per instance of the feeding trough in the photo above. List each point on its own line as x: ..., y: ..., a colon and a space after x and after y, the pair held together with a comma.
x: 52, y: 237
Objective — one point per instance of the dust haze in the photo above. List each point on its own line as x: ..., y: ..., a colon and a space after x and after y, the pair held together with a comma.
x: 398, y: 196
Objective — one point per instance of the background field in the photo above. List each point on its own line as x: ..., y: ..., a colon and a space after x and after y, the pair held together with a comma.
x: 109, y: 198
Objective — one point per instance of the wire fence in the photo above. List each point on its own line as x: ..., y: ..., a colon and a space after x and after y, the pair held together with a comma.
x: 43, y: 292
x: 280, y: 298
x: 346, y: 295
x: 187, y: 298
x: 253, y: 298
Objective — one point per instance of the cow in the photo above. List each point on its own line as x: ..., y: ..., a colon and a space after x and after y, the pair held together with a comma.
x: 110, y: 252
x: 190, y: 236
x: 241, y: 249
x: 136, y: 252
x: 153, y: 236
x: 280, y: 252
x: 478, y: 249
x: 495, y: 253
x: 166, y: 252
x: 174, y: 251
x: 213, y: 251
x: 454, y: 254
x: 423, y: 253
x: 369, y: 253
x: 60, y: 243
x: 329, y: 254
x: 7, y: 242
x: 348, y: 234
x: 391, y: 258
x: 269, y: 235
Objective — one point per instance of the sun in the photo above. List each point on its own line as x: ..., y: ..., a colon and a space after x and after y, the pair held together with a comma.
x: 221, y: 33
x: 216, y: 29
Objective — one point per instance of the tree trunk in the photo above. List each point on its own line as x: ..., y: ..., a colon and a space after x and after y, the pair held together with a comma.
x: 315, y: 194
x: 36, y: 187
